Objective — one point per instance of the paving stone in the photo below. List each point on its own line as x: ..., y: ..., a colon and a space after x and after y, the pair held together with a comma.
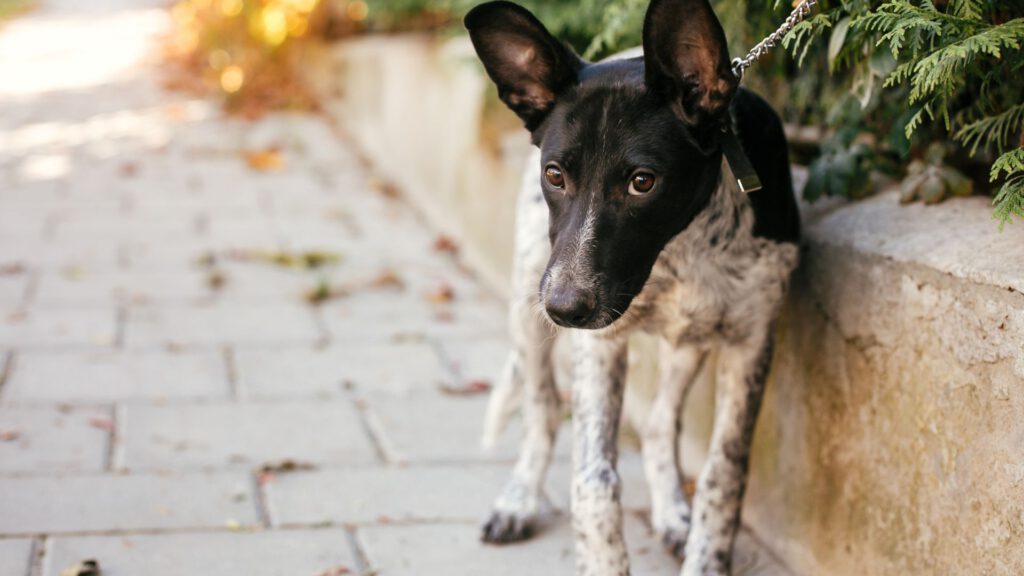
x: 456, y: 550
x: 34, y: 505
x: 264, y: 282
x: 54, y: 439
x: 325, y: 371
x: 431, y: 427
x: 113, y: 375
x: 83, y: 253
x: 87, y: 287
x: 480, y: 359
x: 277, y: 553
x: 12, y: 288
x: 368, y: 495
x: 114, y: 223
x: 15, y: 557
x: 421, y: 493
x: 221, y: 324
x: 377, y: 318
x: 66, y: 327
x: 251, y: 434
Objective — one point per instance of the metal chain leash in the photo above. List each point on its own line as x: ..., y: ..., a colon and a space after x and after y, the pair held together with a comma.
x: 795, y: 17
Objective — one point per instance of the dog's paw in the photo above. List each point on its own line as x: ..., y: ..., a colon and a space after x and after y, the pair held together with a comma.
x: 673, y: 528
x: 674, y: 541
x: 506, y: 527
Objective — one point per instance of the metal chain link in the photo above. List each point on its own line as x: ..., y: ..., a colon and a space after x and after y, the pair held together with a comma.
x: 795, y: 17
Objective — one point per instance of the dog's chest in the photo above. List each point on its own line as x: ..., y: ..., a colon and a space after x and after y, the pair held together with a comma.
x: 715, y: 281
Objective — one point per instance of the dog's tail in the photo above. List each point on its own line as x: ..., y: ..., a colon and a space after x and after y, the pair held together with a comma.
x: 506, y: 397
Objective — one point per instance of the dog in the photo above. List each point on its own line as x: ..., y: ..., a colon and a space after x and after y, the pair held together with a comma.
x: 628, y: 220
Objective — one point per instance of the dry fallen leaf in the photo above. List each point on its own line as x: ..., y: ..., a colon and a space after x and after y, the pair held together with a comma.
x: 12, y: 269
x: 387, y: 279
x: 442, y: 294
x: 286, y: 465
x: 266, y: 160
x: 467, y: 389
x: 216, y: 280
x: 445, y: 244
x: 104, y: 424
x: 336, y: 571
x: 385, y: 188
x: 128, y: 169
x: 83, y: 568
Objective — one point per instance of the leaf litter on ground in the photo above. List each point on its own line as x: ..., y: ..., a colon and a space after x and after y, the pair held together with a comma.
x: 469, y: 388
x: 266, y: 160
x: 324, y: 291
x: 269, y: 471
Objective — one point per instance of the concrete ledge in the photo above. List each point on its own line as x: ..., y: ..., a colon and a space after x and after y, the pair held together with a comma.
x: 891, y: 441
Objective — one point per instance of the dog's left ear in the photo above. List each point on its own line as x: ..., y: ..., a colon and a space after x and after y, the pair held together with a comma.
x: 687, y: 60
x: 529, y: 65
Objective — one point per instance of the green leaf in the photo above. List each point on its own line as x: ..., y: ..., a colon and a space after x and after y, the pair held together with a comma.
x: 836, y: 41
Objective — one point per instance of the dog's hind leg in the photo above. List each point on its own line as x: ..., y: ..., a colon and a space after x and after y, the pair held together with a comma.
x: 742, y: 371
x: 670, y: 513
x: 599, y: 373
x: 530, y: 369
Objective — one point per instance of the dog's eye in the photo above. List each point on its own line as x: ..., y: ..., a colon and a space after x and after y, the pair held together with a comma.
x: 554, y: 176
x: 641, y: 183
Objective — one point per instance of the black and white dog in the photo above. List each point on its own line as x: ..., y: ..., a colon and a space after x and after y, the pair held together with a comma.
x: 633, y: 223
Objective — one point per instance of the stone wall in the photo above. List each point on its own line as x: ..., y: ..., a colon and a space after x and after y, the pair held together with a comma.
x: 892, y: 439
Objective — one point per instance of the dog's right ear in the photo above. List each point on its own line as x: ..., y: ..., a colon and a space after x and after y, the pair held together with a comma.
x: 529, y: 65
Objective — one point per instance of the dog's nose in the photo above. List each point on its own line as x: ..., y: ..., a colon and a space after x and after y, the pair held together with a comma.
x: 571, y: 307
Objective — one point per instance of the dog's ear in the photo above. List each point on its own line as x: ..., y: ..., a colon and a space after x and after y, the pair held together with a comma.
x: 529, y: 66
x: 686, y: 59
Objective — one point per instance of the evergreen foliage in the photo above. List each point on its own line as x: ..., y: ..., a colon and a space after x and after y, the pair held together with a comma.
x: 957, y: 64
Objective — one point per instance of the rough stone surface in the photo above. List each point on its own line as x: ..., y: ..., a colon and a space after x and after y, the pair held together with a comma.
x: 279, y: 553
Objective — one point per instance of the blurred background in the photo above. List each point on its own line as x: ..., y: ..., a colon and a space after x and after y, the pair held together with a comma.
x: 254, y: 262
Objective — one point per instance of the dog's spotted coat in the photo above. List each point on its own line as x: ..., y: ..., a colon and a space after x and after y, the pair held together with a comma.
x: 715, y: 281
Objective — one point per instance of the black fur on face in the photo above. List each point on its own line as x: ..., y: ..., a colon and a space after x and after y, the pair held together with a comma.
x: 629, y: 147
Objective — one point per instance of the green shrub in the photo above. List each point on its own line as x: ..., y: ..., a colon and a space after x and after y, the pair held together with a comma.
x: 955, y: 66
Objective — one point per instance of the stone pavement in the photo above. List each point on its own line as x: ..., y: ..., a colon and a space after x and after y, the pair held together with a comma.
x: 170, y: 403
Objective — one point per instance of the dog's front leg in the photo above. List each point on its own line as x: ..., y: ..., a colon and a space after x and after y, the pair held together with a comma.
x: 742, y: 370
x: 599, y: 370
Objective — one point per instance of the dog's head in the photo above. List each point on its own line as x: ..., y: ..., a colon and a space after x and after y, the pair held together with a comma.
x: 628, y: 147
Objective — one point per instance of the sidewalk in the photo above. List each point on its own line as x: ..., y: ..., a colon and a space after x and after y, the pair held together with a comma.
x: 170, y: 402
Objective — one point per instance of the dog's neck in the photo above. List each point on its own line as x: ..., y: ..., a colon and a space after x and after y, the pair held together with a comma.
x: 725, y: 225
